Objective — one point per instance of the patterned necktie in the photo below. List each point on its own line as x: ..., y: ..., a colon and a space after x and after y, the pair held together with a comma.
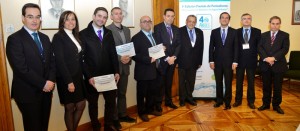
x: 272, y: 38
x: 169, y: 29
x: 246, y: 36
x: 38, y: 43
x: 99, y: 35
x: 191, y: 36
x: 223, y: 37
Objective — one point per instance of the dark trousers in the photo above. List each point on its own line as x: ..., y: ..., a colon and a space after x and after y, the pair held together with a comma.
x: 145, y: 94
x: 166, y: 87
x: 121, y: 97
x: 269, y: 77
x: 250, y: 73
x: 227, y: 73
x: 36, y: 114
x: 109, y: 108
x: 186, y: 83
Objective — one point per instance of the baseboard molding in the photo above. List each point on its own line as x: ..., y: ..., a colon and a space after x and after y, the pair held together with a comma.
x: 88, y: 127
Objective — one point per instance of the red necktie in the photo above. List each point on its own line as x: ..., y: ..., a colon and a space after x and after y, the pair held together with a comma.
x: 272, y: 38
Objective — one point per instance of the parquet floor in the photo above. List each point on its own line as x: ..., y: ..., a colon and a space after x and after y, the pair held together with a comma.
x: 204, y: 117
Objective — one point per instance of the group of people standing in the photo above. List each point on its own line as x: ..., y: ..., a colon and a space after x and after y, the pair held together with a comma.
x: 232, y: 49
x: 74, y: 58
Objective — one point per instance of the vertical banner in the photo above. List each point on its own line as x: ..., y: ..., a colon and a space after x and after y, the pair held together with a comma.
x: 207, y: 13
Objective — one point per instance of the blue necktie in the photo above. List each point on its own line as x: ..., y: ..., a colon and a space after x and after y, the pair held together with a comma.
x: 223, y: 37
x: 152, y: 40
x: 191, y: 36
x: 38, y: 43
x: 154, y: 44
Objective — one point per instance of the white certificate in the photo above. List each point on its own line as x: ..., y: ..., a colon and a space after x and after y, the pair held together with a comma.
x: 105, y: 83
x: 126, y: 49
x: 156, y: 51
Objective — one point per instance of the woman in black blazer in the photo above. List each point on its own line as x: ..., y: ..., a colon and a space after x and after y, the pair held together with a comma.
x: 68, y: 56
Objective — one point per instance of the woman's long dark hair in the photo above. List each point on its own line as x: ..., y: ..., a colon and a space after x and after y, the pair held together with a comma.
x: 63, y: 18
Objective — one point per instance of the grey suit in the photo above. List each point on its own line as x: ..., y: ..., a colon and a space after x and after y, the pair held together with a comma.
x: 124, y: 68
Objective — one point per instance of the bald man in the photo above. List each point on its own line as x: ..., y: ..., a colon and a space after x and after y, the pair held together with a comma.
x: 145, y: 72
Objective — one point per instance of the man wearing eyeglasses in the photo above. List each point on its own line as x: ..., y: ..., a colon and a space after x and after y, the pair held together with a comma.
x: 248, y: 39
x: 31, y: 58
x: 145, y: 72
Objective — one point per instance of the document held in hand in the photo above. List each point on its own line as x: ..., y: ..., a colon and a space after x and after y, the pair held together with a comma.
x: 105, y: 83
x: 157, y: 51
x: 126, y: 49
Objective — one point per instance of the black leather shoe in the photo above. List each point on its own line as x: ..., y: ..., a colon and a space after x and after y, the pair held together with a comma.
x: 156, y: 113
x: 110, y: 128
x: 251, y: 105
x: 263, y: 107
x: 158, y: 108
x: 236, y: 104
x: 181, y: 103
x: 278, y: 109
x: 126, y: 119
x: 144, y: 118
x: 227, y: 107
x: 191, y: 102
x: 171, y: 105
x: 117, y: 124
x: 217, y: 104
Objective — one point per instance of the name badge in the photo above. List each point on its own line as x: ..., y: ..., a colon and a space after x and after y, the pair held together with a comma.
x: 246, y: 46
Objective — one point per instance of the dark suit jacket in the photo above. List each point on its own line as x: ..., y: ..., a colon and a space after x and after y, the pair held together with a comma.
x: 161, y: 35
x: 223, y: 56
x: 190, y: 57
x: 68, y: 60
x: 248, y: 57
x: 30, y: 71
x: 144, y: 69
x: 279, y: 49
x: 124, y: 68
x: 99, y: 58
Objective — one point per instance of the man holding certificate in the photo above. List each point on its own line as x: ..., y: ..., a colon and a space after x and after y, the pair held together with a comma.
x: 121, y: 36
x: 100, y: 65
x: 145, y: 72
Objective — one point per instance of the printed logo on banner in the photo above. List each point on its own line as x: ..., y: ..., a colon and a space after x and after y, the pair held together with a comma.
x: 204, y: 21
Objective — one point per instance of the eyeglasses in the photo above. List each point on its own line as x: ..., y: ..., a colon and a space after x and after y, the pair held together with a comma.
x: 30, y: 17
x: 146, y: 22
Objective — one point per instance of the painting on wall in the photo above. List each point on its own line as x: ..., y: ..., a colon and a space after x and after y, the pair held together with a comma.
x: 51, y: 10
x: 127, y: 7
x: 296, y: 12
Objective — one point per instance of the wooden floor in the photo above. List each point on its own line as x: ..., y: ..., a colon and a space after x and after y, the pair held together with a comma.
x: 204, y: 117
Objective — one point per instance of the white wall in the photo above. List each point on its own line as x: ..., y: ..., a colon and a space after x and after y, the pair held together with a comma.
x: 11, y: 14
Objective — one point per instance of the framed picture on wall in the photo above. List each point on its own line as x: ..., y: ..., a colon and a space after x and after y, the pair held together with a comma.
x: 127, y: 7
x: 51, y: 10
x: 296, y: 12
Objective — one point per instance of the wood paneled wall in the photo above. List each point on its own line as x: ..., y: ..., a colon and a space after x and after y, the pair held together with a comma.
x: 6, y: 118
x: 159, y: 7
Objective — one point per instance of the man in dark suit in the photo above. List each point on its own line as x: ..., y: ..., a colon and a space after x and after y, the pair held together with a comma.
x: 121, y: 36
x: 189, y: 59
x: 168, y: 34
x: 248, y: 39
x: 31, y: 58
x: 100, y: 58
x: 145, y: 71
x: 223, y: 58
x: 273, y: 47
